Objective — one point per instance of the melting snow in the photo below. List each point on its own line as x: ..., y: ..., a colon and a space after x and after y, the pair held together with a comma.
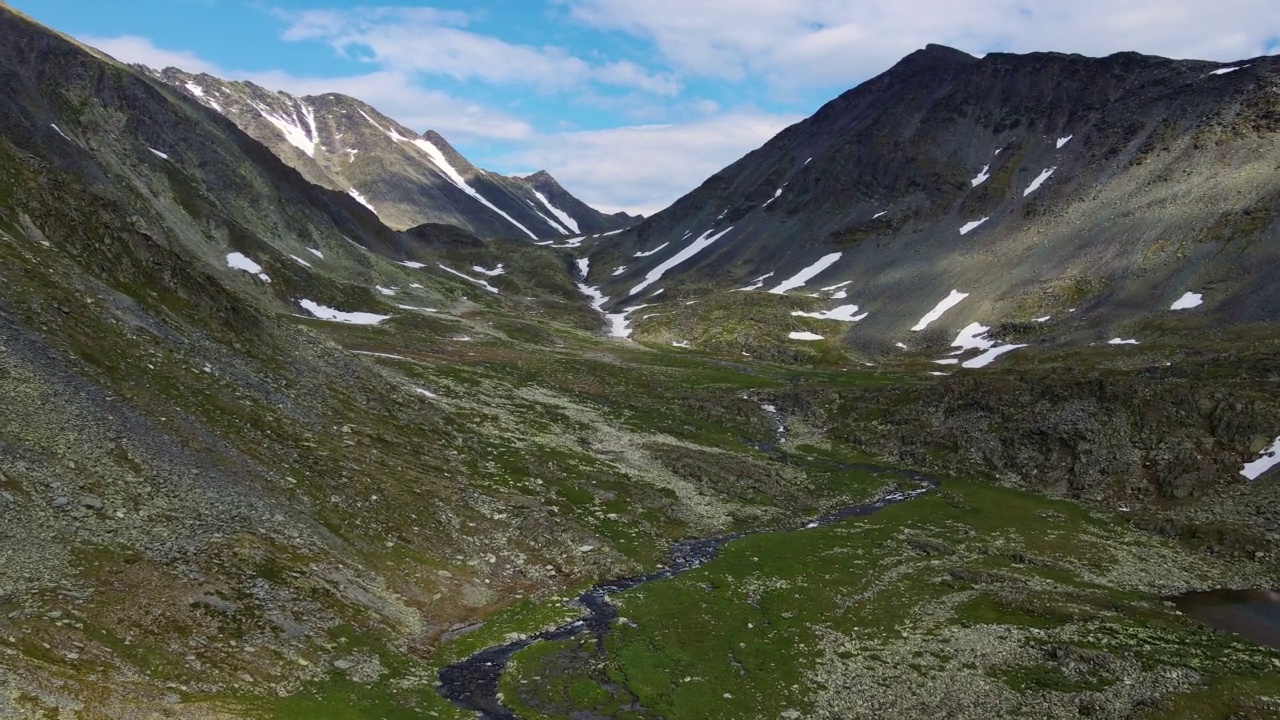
x: 1064, y: 140
x: 973, y: 337
x: 1035, y: 184
x: 411, y: 264
x: 939, y: 373
x: 426, y: 393
x: 613, y: 232
x: 776, y: 195
x: 807, y: 336
x: 300, y: 261
x: 982, y: 177
x: 1044, y: 319
x: 947, y: 303
x: 882, y: 213
x: 1225, y: 70
x: 693, y: 248
x: 360, y: 199
x: 1267, y: 460
x: 807, y: 274
x: 351, y: 318
x: 240, y: 262
x: 1120, y: 341
x: 316, y: 252
x: 419, y: 309
x: 1188, y: 301
x: 755, y: 284
x: 55, y: 127
x: 844, y: 313
x: 565, y: 218
x: 195, y: 89
x: 477, y: 281
x: 437, y: 156
x: 681, y: 344
x: 658, y: 249
x: 294, y: 134
x: 385, y: 291
x: 947, y: 361
x: 570, y: 243
x: 989, y: 356
x: 971, y: 226
x: 619, y: 271
x: 499, y: 270
x: 901, y: 345
x: 159, y: 154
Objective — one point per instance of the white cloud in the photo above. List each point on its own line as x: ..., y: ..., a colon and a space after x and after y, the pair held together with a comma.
x: 642, y: 168
x: 395, y: 94
x: 140, y: 50
x: 822, y: 42
x: 431, y: 42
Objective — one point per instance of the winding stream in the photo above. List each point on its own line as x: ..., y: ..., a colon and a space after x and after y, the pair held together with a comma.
x: 473, y: 683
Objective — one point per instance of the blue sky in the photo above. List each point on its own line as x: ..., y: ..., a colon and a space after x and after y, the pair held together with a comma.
x: 630, y: 103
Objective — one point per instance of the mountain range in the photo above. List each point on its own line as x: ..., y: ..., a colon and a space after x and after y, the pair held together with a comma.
x: 407, y: 179
x: 956, y: 399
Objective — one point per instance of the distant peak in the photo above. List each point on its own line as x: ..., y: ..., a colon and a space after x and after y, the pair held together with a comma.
x: 935, y: 53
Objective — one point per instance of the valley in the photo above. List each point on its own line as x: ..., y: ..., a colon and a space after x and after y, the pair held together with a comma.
x: 284, y: 435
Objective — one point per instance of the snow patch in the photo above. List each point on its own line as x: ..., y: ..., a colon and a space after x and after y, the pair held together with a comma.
x: 1225, y: 70
x: 361, y: 199
x: 947, y: 303
x: 755, y: 284
x: 239, y: 261
x: 693, y: 248
x: 159, y: 154
x: 415, y: 307
x: 1044, y: 319
x: 426, y: 393
x: 565, y: 218
x: 300, y: 261
x: 55, y: 127
x: 389, y: 292
x: 844, y: 313
x: 294, y: 134
x: 452, y: 175
x: 1188, y: 301
x: 1035, y: 184
x: 464, y: 276
x: 619, y: 271
x: 658, y: 249
x: 681, y: 344
x: 989, y: 356
x: 971, y: 226
x: 316, y: 252
x: 1121, y: 341
x: 776, y: 195
x: 351, y: 318
x: 195, y: 89
x: 412, y: 264
x: 1267, y: 460
x: 806, y: 336
x: 807, y: 274
x: 880, y: 214
x: 499, y: 270
x: 983, y: 176
x: 1064, y: 140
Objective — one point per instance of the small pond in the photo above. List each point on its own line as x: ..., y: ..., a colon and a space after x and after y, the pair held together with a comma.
x: 1253, y: 614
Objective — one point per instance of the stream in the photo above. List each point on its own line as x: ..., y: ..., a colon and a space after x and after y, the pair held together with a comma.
x: 473, y: 683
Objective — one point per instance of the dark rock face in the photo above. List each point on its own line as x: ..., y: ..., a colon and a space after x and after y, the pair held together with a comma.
x: 408, y: 179
x: 1110, y: 184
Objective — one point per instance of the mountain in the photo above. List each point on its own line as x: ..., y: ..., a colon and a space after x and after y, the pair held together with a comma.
x: 262, y: 456
x: 1089, y: 194
x: 408, y: 179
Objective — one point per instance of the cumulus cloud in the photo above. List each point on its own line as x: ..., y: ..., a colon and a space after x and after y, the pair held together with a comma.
x: 433, y: 42
x: 396, y: 94
x: 642, y: 168
x: 140, y: 50
x: 824, y: 42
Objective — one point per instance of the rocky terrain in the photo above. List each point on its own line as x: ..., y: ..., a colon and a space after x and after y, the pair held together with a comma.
x: 408, y: 179
x: 267, y: 454
x: 1092, y: 193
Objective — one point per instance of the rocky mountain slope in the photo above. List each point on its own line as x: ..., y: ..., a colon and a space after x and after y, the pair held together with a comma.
x: 1080, y: 199
x: 262, y: 456
x: 408, y: 179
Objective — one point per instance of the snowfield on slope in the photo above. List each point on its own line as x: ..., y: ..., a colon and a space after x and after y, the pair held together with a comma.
x: 351, y: 318
x: 693, y: 248
x: 239, y: 261
x: 1187, y: 302
x: 844, y: 313
x: 807, y: 274
x: 941, y: 308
